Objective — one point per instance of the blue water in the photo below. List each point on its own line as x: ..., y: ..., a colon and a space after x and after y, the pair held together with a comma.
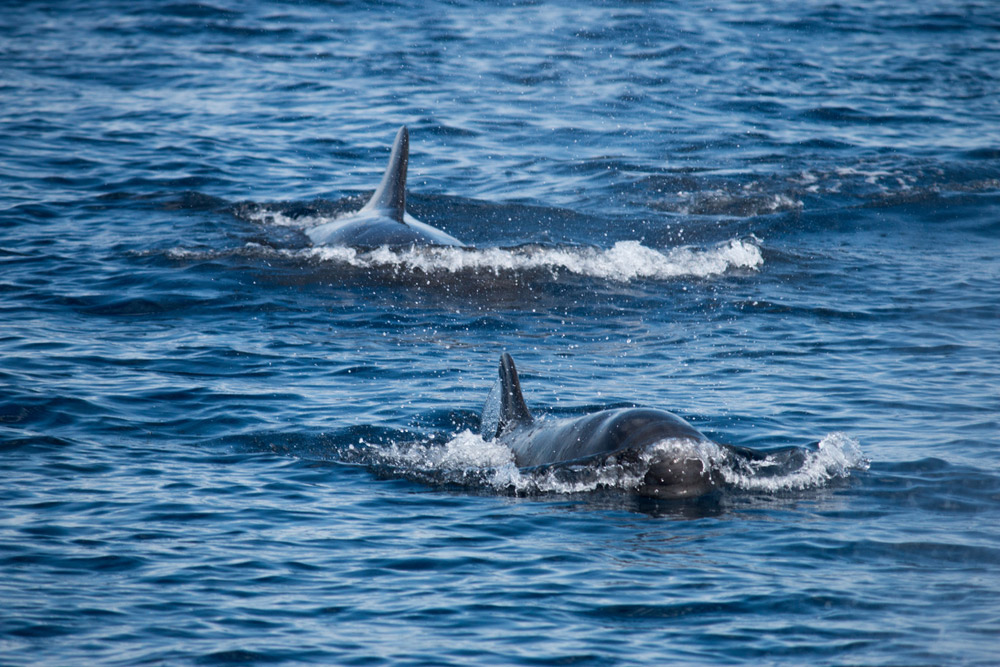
x: 222, y: 445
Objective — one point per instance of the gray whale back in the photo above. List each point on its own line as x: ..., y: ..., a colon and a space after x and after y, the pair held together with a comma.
x: 383, y: 221
x: 603, y: 433
x: 679, y: 471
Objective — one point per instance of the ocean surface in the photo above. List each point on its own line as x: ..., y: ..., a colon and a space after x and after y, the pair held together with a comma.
x: 221, y: 445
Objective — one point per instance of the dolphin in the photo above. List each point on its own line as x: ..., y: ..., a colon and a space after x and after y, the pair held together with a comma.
x: 679, y: 457
x: 383, y: 221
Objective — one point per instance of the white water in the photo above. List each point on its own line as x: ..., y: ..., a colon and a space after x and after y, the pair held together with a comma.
x: 469, y: 460
x: 623, y: 262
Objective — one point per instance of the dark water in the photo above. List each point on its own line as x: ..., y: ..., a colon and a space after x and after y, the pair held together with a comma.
x: 220, y: 445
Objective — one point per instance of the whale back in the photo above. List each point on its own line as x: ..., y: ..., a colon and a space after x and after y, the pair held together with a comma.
x: 602, y: 433
x: 390, y: 197
x: 383, y: 221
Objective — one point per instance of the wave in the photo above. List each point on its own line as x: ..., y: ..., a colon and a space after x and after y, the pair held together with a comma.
x: 623, y: 262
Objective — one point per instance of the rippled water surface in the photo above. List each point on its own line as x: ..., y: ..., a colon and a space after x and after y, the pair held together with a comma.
x: 220, y: 444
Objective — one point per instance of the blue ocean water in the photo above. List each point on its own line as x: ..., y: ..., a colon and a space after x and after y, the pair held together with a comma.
x: 222, y: 445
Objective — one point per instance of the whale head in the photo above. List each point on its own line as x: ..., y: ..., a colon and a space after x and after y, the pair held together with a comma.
x: 678, y: 476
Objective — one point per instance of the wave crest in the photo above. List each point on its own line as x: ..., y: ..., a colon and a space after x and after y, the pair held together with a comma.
x: 623, y: 262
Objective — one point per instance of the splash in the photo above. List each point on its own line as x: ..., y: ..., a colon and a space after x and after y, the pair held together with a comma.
x: 466, y: 459
x: 469, y: 460
x: 835, y: 457
x: 623, y: 262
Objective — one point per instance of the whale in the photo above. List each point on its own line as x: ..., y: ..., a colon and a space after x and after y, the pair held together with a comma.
x: 383, y: 221
x: 679, y: 462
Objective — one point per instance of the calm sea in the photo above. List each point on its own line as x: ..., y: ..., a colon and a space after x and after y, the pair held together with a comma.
x: 221, y: 445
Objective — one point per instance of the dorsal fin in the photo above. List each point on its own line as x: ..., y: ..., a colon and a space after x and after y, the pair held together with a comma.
x: 390, y: 197
x: 513, y: 410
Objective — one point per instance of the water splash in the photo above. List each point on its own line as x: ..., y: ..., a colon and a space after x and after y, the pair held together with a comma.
x: 490, y: 421
x: 835, y: 457
x: 468, y: 460
x: 623, y: 262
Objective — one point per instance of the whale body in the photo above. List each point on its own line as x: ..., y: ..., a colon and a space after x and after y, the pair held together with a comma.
x: 383, y: 221
x: 679, y: 470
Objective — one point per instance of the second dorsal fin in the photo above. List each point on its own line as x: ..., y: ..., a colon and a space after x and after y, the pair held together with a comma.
x: 513, y: 410
x: 390, y: 197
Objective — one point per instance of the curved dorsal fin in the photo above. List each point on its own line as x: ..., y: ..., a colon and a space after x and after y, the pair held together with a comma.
x: 513, y: 410
x: 390, y: 197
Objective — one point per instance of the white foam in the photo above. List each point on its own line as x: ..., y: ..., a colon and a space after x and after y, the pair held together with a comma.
x: 582, y: 479
x: 464, y: 452
x: 710, y: 454
x: 835, y: 457
x: 468, y: 459
x: 623, y: 262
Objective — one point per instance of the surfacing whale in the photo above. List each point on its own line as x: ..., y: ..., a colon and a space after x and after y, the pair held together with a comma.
x: 383, y: 221
x: 674, y: 450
